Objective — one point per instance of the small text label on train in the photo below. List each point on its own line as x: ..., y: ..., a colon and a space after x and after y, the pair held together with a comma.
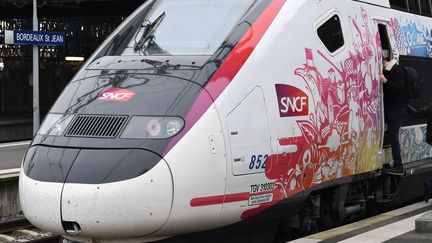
x: 263, y: 187
x: 260, y: 199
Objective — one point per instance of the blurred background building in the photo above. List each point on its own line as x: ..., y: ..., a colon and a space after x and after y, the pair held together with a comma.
x: 86, y: 24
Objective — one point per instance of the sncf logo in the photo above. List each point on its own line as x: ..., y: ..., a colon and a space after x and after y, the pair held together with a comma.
x: 116, y: 94
x: 292, y: 101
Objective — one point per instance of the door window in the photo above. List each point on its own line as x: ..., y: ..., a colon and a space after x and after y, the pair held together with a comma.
x: 330, y: 33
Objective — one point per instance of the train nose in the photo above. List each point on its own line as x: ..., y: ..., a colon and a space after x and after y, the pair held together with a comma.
x: 135, y: 207
x: 126, y: 197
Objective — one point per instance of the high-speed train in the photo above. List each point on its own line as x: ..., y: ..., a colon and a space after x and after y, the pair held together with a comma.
x: 201, y: 115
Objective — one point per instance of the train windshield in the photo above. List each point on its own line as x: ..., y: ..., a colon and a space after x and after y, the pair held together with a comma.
x: 186, y: 27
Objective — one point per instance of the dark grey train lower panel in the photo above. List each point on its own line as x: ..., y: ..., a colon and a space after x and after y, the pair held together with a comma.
x: 87, y: 166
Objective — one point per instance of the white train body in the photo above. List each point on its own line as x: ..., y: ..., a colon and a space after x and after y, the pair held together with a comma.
x: 288, y: 108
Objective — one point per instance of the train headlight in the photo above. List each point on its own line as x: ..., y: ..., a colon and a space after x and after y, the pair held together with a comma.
x: 153, y: 127
x: 173, y: 127
x: 55, y: 124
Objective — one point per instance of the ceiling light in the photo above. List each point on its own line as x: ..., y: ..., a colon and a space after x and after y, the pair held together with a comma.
x: 74, y: 59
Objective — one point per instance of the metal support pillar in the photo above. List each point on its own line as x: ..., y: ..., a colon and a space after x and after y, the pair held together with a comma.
x: 36, y: 113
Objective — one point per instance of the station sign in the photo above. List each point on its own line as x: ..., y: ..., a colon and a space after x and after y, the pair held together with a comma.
x: 28, y: 37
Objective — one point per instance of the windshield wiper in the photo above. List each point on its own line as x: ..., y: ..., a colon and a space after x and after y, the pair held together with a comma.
x: 148, y: 34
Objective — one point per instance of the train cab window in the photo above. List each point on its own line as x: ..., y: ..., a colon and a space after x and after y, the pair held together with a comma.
x: 330, y: 33
x: 185, y: 27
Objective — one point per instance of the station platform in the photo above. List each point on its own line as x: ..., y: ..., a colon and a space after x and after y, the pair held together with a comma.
x: 397, y: 226
x: 16, y: 127
x: 11, y: 154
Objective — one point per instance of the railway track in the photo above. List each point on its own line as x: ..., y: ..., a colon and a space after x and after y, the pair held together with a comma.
x: 21, y: 230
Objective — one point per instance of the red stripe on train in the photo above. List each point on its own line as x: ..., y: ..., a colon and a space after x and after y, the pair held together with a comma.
x: 205, y: 201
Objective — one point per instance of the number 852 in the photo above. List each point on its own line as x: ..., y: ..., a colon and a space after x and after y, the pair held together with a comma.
x: 258, y: 161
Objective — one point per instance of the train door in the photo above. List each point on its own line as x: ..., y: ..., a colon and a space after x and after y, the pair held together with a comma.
x: 384, y: 31
x: 249, y: 135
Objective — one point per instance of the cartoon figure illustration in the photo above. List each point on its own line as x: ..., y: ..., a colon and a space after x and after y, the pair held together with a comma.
x: 412, y: 38
x: 413, y: 145
x: 346, y: 99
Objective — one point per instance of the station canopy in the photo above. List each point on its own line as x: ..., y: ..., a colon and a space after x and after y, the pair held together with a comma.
x: 68, y: 8
x: 85, y: 24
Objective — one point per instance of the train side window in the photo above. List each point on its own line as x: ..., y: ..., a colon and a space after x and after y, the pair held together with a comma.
x: 330, y: 33
x: 399, y: 5
x: 413, y: 6
x: 422, y: 7
x: 425, y: 7
x: 385, y: 41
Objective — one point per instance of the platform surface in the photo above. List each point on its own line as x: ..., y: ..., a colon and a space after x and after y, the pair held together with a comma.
x: 394, y: 226
x: 11, y: 154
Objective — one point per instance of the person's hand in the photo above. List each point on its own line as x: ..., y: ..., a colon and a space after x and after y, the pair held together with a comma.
x: 382, y: 79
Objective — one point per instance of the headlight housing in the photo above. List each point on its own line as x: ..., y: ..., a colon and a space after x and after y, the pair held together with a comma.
x: 140, y: 127
x: 55, y: 124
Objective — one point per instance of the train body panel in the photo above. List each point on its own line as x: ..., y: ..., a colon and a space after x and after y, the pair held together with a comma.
x: 34, y: 195
x: 313, y: 144
x: 149, y: 198
x: 201, y: 152
x: 288, y: 101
